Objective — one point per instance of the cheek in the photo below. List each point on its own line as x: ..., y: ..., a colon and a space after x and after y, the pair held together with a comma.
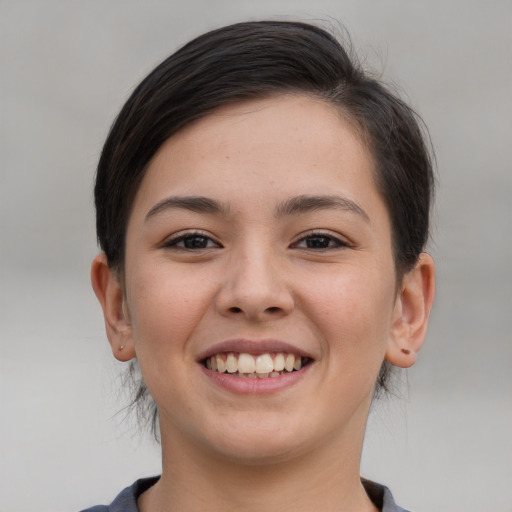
x: 165, y: 307
x: 355, y: 324
x: 356, y: 313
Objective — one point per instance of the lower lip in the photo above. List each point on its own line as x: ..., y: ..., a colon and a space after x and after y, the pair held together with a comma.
x: 257, y: 386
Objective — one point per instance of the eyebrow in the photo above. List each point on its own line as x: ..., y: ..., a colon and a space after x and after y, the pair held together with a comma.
x: 198, y: 204
x: 309, y: 203
x: 298, y: 205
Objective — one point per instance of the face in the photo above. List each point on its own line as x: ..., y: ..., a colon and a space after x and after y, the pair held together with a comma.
x: 260, y: 292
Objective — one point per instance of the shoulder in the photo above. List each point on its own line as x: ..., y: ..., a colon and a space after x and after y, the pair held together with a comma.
x: 126, y: 500
x: 381, y: 497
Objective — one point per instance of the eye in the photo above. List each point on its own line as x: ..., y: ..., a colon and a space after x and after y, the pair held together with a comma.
x: 319, y: 241
x: 191, y: 242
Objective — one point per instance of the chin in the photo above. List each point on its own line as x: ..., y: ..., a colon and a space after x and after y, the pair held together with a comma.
x: 260, y: 441
x: 252, y: 452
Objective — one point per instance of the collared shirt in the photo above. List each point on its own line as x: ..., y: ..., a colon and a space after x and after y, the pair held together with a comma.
x: 126, y: 500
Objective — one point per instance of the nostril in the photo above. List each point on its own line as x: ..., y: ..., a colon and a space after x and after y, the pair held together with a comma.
x: 235, y: 310
x: 273, y: 309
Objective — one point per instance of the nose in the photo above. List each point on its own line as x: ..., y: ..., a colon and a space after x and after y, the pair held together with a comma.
x: 255, y: 288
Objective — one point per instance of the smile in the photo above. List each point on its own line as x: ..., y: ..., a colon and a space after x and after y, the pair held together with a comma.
x: 262, y: 366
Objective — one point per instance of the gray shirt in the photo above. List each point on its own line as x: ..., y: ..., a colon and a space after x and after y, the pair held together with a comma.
x: 126, y: 500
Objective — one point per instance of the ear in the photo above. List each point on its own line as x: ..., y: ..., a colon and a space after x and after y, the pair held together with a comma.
x: 117, y: 320
x: 410, y: 316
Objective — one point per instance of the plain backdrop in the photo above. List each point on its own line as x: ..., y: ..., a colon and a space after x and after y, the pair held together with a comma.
x: 67, y: 67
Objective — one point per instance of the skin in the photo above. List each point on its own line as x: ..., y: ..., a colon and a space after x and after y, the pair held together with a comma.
x: 321, y: 280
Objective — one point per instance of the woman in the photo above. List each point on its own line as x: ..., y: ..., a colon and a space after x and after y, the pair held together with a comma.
x: 263, y: 208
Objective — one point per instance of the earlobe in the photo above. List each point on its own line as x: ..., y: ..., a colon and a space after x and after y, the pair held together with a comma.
x: 115, y: 312
x: 411, y: 313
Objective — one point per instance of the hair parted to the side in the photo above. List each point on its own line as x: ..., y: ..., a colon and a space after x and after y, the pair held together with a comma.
x: 254, y: 60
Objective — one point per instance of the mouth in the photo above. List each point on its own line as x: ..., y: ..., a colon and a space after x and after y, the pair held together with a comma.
x: 261, y: 366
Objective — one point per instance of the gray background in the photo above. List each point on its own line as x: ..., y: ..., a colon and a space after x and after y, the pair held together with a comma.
x: 66, y: 68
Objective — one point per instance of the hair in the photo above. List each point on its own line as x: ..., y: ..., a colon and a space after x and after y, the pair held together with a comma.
x: 254, y: 60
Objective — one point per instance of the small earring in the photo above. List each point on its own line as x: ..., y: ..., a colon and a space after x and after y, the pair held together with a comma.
x: 406, y: 351
x: 121, y: 347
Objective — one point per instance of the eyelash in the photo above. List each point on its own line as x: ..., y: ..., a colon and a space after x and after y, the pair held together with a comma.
x: 332, y: 241
x: 337, y: 243
x: 173, y: 242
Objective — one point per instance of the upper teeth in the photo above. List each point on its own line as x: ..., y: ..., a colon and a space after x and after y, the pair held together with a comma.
x: 262, y: 365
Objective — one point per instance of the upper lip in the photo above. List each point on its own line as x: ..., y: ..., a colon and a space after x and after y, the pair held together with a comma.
x: 253, y: 347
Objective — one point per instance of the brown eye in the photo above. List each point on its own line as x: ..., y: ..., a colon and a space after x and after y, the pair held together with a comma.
x: 195, y: 242
x: 191, y: 241
x: 320, y: 241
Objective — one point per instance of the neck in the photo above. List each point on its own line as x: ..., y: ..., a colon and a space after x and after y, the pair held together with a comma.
x: 326, y: 478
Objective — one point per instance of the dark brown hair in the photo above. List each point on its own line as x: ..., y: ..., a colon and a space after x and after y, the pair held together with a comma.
x: 250, y: 61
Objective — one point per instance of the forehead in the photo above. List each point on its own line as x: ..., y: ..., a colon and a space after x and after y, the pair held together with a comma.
x: 292, y: 139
